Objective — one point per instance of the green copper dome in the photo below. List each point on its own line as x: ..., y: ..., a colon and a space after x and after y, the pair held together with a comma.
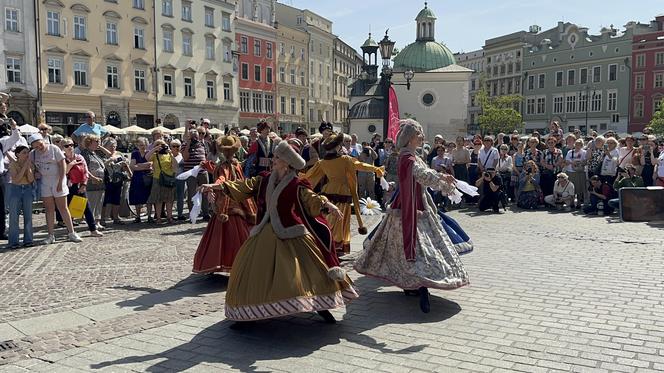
x: 423, y: 56
x: 425, y: 14
x: 370, y: 42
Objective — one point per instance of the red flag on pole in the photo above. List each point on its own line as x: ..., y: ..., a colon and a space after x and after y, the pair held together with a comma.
x: 393, y: 115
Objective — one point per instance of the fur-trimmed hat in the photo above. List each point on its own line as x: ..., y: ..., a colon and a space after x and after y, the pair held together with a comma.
x: 407, y: 129
x: 286, y: 152
x: 262, y: 125
x: 333, y: 141
x: 325, y: 126
x: 229, y: 142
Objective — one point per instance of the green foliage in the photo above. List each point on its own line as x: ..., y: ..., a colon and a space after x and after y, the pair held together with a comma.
x: 498, y: 113
x: 657, y: 122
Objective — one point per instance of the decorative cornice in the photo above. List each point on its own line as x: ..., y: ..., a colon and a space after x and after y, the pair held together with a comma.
x: 139, y: 20
x: 80, y: 8
x: 57, y: 3
x: 112, y: 14
x: 55, y: 50
x: 81, y: 53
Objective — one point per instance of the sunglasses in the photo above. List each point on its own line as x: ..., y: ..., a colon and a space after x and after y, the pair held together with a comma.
x: 175, y: 146
x: 43, y: 129
x: 68, y: 146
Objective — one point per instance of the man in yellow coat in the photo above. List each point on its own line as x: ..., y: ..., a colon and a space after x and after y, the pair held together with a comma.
x: 340, y: 188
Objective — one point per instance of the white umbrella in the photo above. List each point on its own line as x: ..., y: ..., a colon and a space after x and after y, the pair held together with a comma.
x: 178, y: 131
x: 216, y: 131
x: 27, y: 129
x: 114, y: 130
x: 136, y: 130
x: 164, y: 130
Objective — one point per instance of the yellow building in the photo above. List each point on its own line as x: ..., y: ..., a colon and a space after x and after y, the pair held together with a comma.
x: 99, y: 56
x: 347, y: 65
x: 292, y: 87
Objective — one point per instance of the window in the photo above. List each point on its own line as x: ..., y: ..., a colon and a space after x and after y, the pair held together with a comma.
x: 79, y: 28
x: 281, y: 49
x: 81, y: 73
x: 168, y: 85
x: 596, y: 102
x: 13, y: 70
x: 302, y: 109
x: 111, y: 33
x: 612, y: 101
x: 53, y: 23
x: 268, y: 51
x: 639, y: 83
x: 282, y: 74
x: 257, y: 47
x: 597, y: 74
x: 257, y: 100
x: 659, y: 58
x: 244, y: 48
x: 559, y: 79
x: 226, y: 21
x: 167, y: 8
x: 257, y: 73
x: 244, y: 101
x: 302, y: 77
x: 571, y: 104
x: 613, y: 72
x: 188, y: 86
x: 55, y: 70
x: 112, y: 77
x: 139, y: 80
x: 186, y: 11
x: 638, y: 109
x: 139, y: 38
x: 583, y: 102
x: 641, y: 60
x: 209, y: 17
x: 659, y: 80
x: 245, y: 71
x: 293, y: 106
x: 168, y: 40
x: 186, y: 44
x: 541, y: 105
x: 210, y: 89
x: 268, y: 74
x: 228, y: 94
x: 209, y: 48
x: 269, y: 104
x: 138, y: 4
x: 540, y: 81
x: 530, y: 106
x: 571, y: 77
x: 583, y: 76
x: 615, y: 118
x: 283, y: 104
x: 11, y: 20
x: 557, y: 104
x: 531, y: 82
x: 292, y: 76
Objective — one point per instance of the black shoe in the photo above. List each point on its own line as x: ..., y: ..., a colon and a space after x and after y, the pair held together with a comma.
x: 4, y: 237
x: 411, y: 292
x: 327, y: 316
x: 206, y: 217
x: 425, y: 306
x: 182, y: 218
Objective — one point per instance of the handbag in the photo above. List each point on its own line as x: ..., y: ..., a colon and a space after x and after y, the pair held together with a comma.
x: 77, y: 206
x: 165, y: 180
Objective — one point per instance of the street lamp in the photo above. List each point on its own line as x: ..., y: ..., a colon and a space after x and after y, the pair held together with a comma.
x: 386, y: 48
x: 587, y: 103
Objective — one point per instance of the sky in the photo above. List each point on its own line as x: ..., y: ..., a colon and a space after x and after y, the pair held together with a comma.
x: 464, y: 25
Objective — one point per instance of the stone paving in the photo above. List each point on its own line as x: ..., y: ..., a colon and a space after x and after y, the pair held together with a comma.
x: 549, y: 292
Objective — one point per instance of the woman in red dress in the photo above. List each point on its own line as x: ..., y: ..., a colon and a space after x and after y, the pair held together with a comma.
x: 229, y: 227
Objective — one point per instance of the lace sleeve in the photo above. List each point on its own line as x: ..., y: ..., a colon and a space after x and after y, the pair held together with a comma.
x: 429, y: 178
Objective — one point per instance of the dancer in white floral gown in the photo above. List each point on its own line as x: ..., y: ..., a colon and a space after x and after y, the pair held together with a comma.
x: 409, y: 248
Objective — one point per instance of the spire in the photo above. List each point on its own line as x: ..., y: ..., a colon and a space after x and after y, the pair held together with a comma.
x: 426, y: 24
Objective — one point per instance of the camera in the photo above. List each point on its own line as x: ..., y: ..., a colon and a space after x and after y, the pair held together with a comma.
x: 486, y: 174
x: 5, y: 127
x: 163, y: 149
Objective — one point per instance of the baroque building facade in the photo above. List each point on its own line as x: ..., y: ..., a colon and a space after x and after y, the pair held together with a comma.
x: 474, y: 61
x: 647, y: 86
x: 292, y: 77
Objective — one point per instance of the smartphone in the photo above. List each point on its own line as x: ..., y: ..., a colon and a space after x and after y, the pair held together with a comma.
x: 606, y: 146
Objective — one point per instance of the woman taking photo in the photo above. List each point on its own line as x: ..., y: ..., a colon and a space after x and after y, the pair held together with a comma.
x: 118, y: 173
x: 575, y: 161
x: 164, y: 168
x: 78, y: 176
x: 51, y: 171
x: 141, y: 179
x: 529, y: 188
x: 21, y: 175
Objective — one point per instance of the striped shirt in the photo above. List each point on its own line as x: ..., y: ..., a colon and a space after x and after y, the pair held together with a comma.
x: 197, y: 154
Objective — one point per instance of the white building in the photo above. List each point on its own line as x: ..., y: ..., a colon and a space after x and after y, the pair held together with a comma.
x: 475, y: 61
x: 19, y: 70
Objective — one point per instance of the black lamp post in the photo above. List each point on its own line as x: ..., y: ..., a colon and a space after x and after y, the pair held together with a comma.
x: 386, y: 48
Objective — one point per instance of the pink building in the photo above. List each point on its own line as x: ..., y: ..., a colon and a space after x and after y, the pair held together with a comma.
x: 647, y: 89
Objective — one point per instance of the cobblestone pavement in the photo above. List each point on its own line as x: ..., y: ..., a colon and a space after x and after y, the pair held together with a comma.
x: 549, y: 292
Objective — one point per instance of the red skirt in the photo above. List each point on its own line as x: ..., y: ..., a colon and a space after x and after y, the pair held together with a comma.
x: 220, y: 243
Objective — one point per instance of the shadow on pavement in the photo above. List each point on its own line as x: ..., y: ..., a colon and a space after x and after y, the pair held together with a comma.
x: 298, y: 336
x: 193, y: 286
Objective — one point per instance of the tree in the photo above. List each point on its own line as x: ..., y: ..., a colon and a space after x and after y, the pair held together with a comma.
x: 498, y: 113
x: 657, y: 122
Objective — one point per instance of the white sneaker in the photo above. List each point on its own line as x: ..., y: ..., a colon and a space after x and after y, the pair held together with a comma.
x: 96, y: 234
x: 100, y: 227
x: 49, y: 240
x: 73, y: 237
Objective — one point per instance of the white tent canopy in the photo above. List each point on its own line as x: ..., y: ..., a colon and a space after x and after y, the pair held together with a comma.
x: 164, y: 130
x: 136, y: 130
x: 114, y: 130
